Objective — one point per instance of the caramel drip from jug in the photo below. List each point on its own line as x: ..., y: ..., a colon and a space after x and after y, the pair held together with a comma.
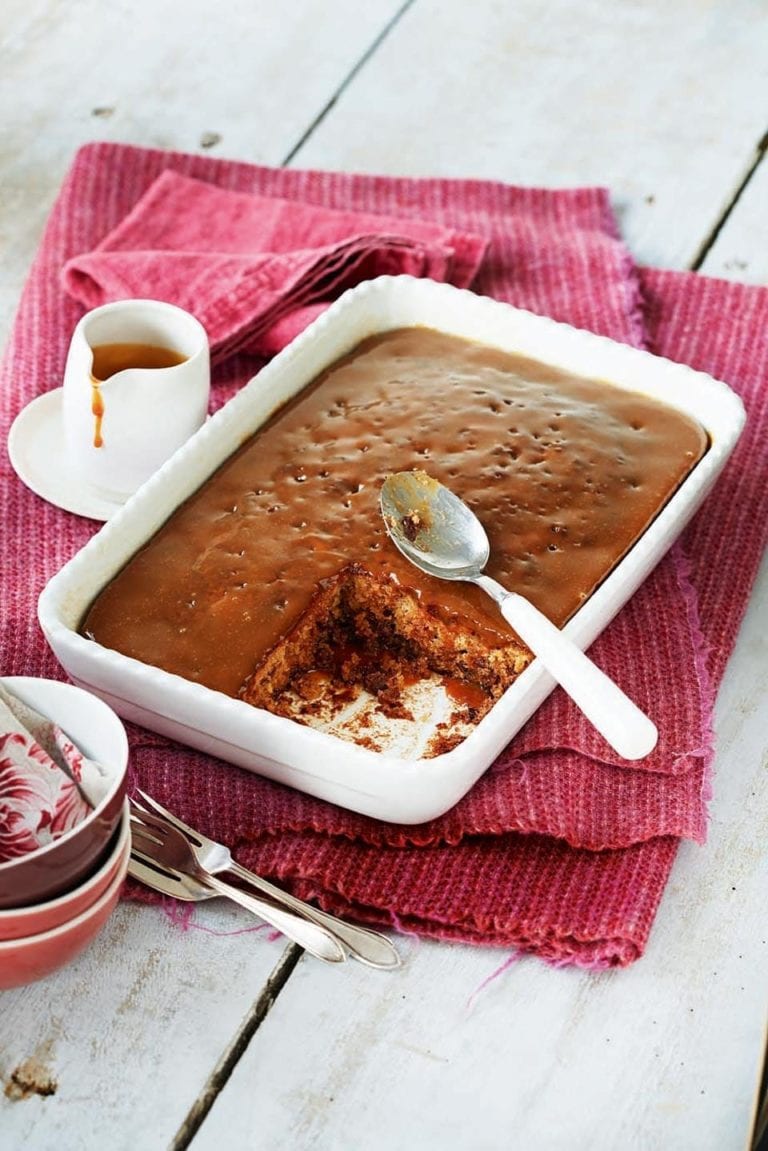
x: 109, y: 359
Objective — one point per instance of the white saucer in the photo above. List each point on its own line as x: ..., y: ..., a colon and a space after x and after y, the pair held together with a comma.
x: 38, y: 455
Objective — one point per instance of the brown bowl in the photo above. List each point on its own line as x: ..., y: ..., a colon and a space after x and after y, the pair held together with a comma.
x: 63, y: 864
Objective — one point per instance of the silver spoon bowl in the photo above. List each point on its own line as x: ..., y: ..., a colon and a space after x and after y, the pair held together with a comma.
x: 439, y: 534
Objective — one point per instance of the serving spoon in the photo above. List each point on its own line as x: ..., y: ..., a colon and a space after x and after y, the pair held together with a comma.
x: 437, y: 532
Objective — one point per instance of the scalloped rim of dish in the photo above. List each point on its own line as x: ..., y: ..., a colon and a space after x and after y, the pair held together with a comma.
x: 399, y: 790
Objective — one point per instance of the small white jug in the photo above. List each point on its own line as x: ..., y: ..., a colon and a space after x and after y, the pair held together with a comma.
x: 120, y: 429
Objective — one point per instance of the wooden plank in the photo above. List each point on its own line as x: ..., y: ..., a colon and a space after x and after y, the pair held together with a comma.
x: 245, y: 81
x: 739, y: 251
x: 129, y: 1032
x: 18, y: 17
x: 663, y: 103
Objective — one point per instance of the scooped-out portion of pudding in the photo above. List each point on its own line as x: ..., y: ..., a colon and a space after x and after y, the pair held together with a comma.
x: 276, y: 581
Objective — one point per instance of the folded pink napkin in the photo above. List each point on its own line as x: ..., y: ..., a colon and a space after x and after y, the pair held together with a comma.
x: 558, y: 850
x: 244, y: 263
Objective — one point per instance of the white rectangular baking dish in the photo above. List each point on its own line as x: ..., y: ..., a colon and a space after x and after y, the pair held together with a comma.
x: 383, y: 786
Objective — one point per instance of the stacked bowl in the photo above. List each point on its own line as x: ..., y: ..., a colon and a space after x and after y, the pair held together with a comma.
x: 55, y: 900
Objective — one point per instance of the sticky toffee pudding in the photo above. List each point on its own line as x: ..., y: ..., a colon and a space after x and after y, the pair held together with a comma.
x: 276, y: 582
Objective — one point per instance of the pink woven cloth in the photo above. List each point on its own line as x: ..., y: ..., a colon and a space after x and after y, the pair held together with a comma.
x: 246, y: 264
x: 559, y: 849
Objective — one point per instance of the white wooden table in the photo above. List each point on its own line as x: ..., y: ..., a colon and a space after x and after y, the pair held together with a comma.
x: 213, y: 1037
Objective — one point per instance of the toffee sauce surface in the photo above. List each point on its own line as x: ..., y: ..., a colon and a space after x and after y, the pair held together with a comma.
x: 564, y: 472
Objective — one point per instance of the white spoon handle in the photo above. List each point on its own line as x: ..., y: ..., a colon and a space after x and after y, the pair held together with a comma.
x: 626, y: 728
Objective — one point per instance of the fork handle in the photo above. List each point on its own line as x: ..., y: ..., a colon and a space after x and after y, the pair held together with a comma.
x: 311, y: 936
x: 363, y: 944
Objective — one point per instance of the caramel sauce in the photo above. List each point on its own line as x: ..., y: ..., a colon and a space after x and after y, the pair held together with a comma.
x: 97, y: 408
x: 464, y: 693
x: 564, y: 472
x: 109, y: 359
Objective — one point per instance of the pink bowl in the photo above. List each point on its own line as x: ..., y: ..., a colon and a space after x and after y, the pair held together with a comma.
x: 20, y: 922
x: 35, y: 956
x: 60, y: 866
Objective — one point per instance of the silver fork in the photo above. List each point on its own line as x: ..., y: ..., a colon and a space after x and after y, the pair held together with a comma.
x: 169, y: 847
x: 363, y: 944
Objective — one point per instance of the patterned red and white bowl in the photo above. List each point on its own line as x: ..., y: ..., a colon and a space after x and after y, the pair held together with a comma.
x: 22, y: 922
x: 61, y: 865
x: 31, y: 957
